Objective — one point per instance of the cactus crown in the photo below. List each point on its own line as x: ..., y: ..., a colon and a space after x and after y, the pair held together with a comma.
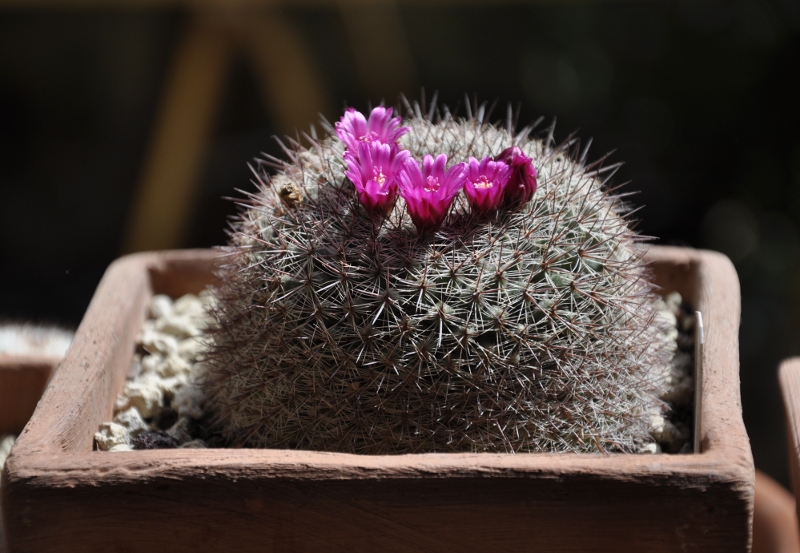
x: 528, y: 328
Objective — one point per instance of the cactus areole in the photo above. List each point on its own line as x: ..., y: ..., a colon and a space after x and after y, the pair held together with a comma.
x: 434, y: 284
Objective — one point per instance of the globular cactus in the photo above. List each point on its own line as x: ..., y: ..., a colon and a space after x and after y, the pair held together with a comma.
x: 525, y: 326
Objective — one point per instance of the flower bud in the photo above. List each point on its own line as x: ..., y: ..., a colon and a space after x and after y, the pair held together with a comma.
x: 522, y: 178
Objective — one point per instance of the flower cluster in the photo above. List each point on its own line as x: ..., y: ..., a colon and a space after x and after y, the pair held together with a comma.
x: 379, y: 169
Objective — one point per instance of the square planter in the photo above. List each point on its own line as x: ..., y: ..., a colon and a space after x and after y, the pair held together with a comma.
x: 60, y: 495
x: 789, y: 379
x: 22, y: 380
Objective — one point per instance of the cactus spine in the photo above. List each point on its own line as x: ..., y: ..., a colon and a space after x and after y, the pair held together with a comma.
x: 529, y: 329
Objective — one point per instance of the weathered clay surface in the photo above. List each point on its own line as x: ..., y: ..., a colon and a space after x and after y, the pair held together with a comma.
x: 789, y: 378
x: 279, y: 500
x: 22, y: 381
x: 775, y: 527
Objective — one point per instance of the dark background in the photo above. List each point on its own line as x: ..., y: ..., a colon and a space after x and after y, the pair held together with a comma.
x: 700, y: 99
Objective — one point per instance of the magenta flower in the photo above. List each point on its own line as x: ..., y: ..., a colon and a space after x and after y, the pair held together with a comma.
x: 522, y: 178
x: 485, y: 184
x: 354, y: 128
x: 373, y: 171
x: 428, y: 193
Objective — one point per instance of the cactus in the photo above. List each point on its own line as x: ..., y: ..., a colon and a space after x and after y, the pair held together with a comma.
x: 529, y: 328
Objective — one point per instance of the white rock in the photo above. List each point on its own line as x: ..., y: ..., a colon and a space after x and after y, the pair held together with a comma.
x: 145, y: 394
x: 188, y: 401
x: 171, y: 386
x: 154, y: 341
x: 663, y: 430
x: 191, y: 349
x: 132, y: 420
x: 6, y: 442
x: 111, y: 434
x: 167, y: 367
x: 160, y: 306
x: 650, y: 448
x: 673, y: 300
x: 151, y: 362
x: 189, y: 304
x: 178, y: 366
x: 670, y: 322
x: 121, y: 447
x: 180, y: 326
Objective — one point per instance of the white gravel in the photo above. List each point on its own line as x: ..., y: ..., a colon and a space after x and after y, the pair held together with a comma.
x: 5, y: 448
x: 161, y: 401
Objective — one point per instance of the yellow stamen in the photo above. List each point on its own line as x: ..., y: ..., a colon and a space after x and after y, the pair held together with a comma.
x: 378, y: 176
x: 482, y: 183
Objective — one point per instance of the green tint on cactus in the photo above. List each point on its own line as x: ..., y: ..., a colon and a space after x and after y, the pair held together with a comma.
x: 528, y: 329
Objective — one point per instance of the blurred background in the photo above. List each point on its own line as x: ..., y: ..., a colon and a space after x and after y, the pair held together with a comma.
x: 123, y: 124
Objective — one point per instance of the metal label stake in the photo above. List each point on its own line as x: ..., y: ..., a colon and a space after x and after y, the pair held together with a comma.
x: 699, y: 343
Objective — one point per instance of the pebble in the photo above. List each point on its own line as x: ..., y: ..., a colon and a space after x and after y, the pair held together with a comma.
x: 651, y: 448
x: 144, y: 394
x: 189, y: 305
x: 673, y: 301
x: 132, y: 420
x: 6, y: 442
x: 110, y: 435
x: 190, y: 348
x: 156, y: 341
x: 160, y: 306
x: 663, y: 430
x: 153, y: 439
x: 178, y: 326
x: 166, y: 366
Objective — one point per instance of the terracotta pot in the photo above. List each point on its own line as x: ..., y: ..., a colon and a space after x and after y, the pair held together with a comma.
x: 58, y: 491
x: 789, y: 378
x: 774, y: 518
x: 22, y: 381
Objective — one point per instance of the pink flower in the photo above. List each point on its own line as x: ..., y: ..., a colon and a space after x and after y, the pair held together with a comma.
x: 428, y: 193
x: 353, y: 128
x: 485, y: 184
x: 522, y: 179
x: 373, y: 171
